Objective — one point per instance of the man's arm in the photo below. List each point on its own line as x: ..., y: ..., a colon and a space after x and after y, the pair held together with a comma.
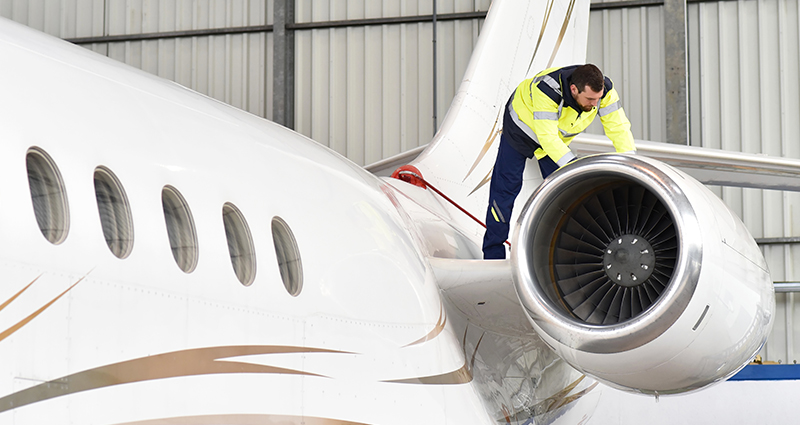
x: 542, y: 117
x: 615, y: 123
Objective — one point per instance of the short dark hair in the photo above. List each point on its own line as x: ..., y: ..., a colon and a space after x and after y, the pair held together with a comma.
x: 588, y: 75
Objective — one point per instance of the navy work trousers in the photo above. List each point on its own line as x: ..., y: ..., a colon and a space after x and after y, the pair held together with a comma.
x: 503, y: 190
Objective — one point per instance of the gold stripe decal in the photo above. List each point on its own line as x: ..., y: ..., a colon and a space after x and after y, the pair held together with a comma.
x: 199, y: 361
x: 243, y: 419
x: 436, y: 329
x: 546, y: 18
x: 484, y: 181
x: 486, y: 145
x: 8, y: 332
x: 563, y: 31
x: 10, y: 300
x: 460, y: 376
x: 493, y: 134
x: 475, y: 353
x: 552, y: 403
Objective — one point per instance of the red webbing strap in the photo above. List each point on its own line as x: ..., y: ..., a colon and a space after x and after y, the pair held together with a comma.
x: 411, y: 174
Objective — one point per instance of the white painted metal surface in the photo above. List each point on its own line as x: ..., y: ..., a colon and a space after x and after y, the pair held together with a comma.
x: 257, y: 344
x: 370, y: 93
x: 136, y: 340
x: 684, y: 336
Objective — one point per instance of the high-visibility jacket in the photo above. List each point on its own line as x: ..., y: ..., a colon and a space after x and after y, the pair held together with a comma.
x: 547, y: 117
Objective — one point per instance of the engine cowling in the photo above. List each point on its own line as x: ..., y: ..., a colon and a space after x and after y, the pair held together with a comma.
x: 638, y: 275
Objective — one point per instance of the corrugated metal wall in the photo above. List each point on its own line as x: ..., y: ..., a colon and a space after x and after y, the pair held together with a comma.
x: 367, y: 91
x: 628, y: 45
x: 236, y: 69
x: 744, y: 95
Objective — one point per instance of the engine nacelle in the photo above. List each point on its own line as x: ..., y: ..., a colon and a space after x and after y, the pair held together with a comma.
x: 638, y: 275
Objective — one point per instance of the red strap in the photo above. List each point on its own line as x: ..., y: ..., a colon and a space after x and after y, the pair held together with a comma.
x: 410, y: 174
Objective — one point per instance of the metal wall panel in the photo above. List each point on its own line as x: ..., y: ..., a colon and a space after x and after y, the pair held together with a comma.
x: 628, y: 45
x: 744, y: 70
x: 236, y: 69
x: 366, y: 92
x: 61, y: 18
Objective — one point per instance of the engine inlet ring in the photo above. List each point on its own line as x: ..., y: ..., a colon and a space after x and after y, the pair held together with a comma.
x: 542, y: 265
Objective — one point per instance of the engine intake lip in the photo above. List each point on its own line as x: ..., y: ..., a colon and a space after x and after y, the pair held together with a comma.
x: 535, y: 237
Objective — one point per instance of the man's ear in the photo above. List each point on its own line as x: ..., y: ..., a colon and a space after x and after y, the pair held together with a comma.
x: 574, y: 89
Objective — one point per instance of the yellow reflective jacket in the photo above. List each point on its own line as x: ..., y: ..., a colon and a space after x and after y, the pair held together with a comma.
x: 545, y: 111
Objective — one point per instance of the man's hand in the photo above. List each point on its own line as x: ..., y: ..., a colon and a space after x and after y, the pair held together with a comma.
x: 570, y: 162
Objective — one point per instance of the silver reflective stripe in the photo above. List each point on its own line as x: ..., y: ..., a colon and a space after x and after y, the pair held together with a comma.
x: 566, y: 159
x: 499, y: 213
x: 522, y: 126
x: 609, y: 109
x: 552, y: 83
x: 552, y: 116
x: 530, y: 90
x: 565, y: 134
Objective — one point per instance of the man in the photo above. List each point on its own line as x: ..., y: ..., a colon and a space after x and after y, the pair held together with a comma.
x: 541, y: 118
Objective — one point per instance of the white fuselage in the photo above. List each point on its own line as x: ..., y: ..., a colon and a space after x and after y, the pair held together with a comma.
x: 367, y: 291
x: 87, y: 337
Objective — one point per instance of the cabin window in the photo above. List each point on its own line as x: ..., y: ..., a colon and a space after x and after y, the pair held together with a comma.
x: 288, y: 256
x: 48, y: 195
x: 180, y: 229
x: 115, y: 212
x: 240, y: 244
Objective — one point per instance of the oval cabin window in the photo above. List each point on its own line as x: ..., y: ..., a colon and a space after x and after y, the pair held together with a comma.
x: 288, y: 256
x: 48, y: 195
x: 180, y: 229
x: 240, y: 244
x: 115, y: 212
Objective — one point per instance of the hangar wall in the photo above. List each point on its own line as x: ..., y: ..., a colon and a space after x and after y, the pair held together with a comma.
x: 366, y: 91
x: 235, y: 69
x: 744, y: 65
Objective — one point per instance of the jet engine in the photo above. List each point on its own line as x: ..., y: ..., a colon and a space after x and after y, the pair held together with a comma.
x: 638, y: 275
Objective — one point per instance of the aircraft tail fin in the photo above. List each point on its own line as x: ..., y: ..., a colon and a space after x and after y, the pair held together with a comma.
x: 519, y: 38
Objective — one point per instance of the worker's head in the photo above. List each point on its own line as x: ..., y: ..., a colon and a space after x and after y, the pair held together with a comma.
x: 587, y: 84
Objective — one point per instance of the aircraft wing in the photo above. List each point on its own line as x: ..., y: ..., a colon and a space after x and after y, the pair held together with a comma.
x: 710, y: 166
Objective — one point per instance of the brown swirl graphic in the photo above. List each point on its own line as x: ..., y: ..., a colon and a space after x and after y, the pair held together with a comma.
x: 10, y: 300
x: 547, y: 11
x: 243, y: 419
x: 437, y: 329
x: 485, y: 180
x: 459, y: 376
x: 564, y: 26
x: 194, y: 362
x: 10, y: 331
x: 552, y: 403
x: 493, y: 134
x: 486, y: 145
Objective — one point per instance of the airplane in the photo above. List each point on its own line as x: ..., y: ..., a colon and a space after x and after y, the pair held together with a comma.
x: 169, y: 259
